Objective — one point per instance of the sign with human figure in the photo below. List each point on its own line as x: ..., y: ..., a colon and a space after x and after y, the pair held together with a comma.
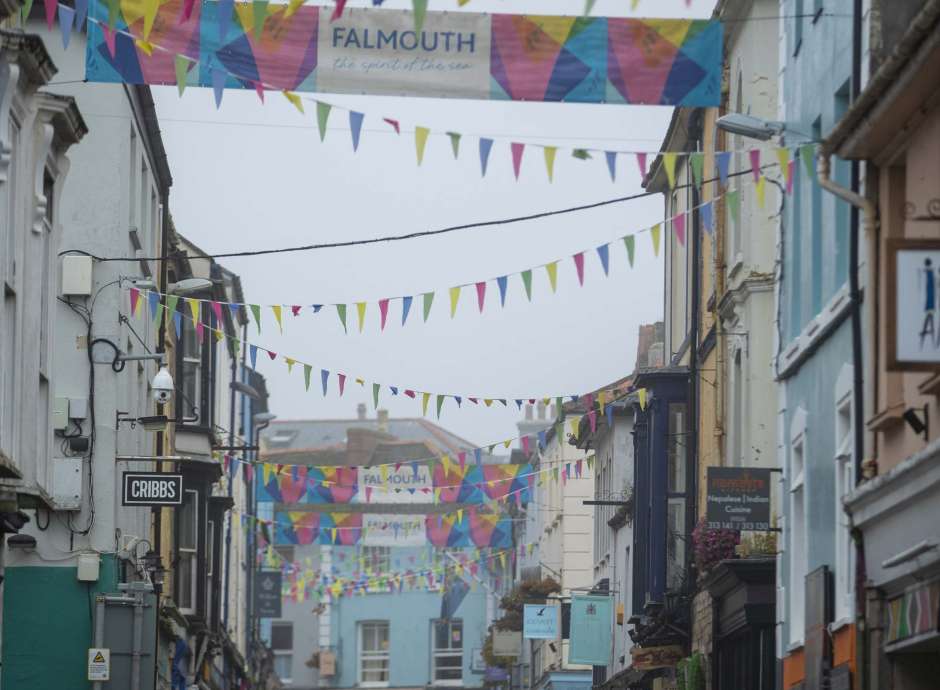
x: 914, y: 289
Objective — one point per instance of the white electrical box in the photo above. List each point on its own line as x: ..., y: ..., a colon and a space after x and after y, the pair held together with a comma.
x: 67, y: 483
x: 78, y: 408
x: 60, y: 413
x: 88, y: 566
x: 76, y: 275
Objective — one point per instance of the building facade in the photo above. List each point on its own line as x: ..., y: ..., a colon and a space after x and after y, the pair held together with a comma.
x: 893, y: 130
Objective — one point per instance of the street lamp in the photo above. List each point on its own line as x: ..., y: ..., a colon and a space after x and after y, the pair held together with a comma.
x: 750, y: 127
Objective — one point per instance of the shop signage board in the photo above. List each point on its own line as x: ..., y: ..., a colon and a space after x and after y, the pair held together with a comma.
x: 648, y: 658
x: 151, y: 489
x: 913, y: 283
x: 327, y: 663
x: 507, y: 643
x: 99, y: 664
x: 591, y: 630
x: 738, y: 498
x: 540, y: 622
x: 268, y: 594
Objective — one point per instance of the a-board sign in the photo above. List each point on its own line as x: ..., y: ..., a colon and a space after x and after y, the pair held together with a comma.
x: 268, y: 594
x: 151, y: 489
x: 738, y: 498
x: 99, y: 663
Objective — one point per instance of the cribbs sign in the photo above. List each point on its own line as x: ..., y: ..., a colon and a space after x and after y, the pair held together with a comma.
x: 152, y: 489
x: 738, y: 498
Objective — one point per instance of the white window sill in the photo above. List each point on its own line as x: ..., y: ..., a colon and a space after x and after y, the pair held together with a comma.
x: 835, y: 626
x: 793, y: 646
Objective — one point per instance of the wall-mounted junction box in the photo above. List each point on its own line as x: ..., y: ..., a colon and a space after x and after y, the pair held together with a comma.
x: 67, y: 483
x: 76, y: 275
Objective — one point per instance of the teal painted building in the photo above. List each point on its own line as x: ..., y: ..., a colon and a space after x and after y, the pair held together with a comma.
x: 817, y: 417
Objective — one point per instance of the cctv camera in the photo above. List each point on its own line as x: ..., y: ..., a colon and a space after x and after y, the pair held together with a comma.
x: 162, y: 386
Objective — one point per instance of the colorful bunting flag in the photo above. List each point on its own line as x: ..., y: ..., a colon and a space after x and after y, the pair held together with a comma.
x: 323, y: 117
x: 611, y: 157
x: 421, y: 139
x: 355, y: 128
x: 428, y: 301
x: 517, y: 151
x: 549, y: 152
x: 454, y: 297
x: 485, y: 146
x: 669, y: 163
x: 628, y: 242
x: 603, y: 253
x: 455, y: 143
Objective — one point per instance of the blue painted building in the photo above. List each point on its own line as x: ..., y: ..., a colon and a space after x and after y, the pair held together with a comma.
x: 817, y: 416
x: 395, y: 614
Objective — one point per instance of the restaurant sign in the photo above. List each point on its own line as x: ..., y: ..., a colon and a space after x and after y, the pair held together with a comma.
x: 738, y: 498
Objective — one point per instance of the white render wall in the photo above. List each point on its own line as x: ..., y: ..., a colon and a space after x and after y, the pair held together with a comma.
x: 109, y: 190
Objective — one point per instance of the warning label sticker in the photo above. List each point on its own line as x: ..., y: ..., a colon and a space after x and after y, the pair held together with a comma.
x: 99, y: 663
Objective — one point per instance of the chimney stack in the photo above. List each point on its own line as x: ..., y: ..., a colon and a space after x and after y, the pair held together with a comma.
x: 361, y: 411
x: 383, y: 420
x: 528, y: 413
x: 541, y: 409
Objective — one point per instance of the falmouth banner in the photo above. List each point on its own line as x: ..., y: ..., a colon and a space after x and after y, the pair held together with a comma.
x: 291, y: 48
x: 407, y: 483
x: 466, y: 528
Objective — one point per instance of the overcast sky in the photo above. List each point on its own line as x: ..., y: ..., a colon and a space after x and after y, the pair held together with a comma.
x: 252, y: 176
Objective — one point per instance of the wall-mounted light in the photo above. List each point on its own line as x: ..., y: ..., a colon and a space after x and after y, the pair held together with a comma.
x: 153, y: 565
x: 918, y: 425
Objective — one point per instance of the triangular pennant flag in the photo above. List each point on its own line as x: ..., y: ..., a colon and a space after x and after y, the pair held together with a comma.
x: 629, y: 243
x: 375, y: 395
x: 733, y: 203
x: 256, y: 314
x: 383, y: 313
x: 708, y: 217
x: 421, y: 139
x: 502, y: 283
x: 723, y: 162
x: 517, y: 151
x: 808, y: 156
x: 455, y: 143
x: 218, y: 85
x: 181, y: 65
x: 253, y: 355
x: 290, y: 364
x: 342, y: 383
x: 697, y: 161
x: 481, y: 294
x: 552, y: 270
x: 419, y: 8
x: 791, y: 173
x: 341, y: 312
x: 81, y: 12
x: 338, y: 10
x: 641, y: 397
x: 603, y: 253
x: 361, y: 313
x: 425, y: 397
x: 155, y: 312
x: 294, y: 100
x: 669, y: 163
x: 109, y: 40
x: 754, y: 155
x: 394, y: 123
x: 527, y: 283
x: 760, y: 189
x: 51, y: 7
x: 178, y: 324
x: 276, y: 309
x: 307, y: 371
x: 440, y: 404
x: 454, y: 297
x: 66, y: 22
x: 678, y: 224
x: 579, y: 266
x: 654, y: 235
x: 485, y: 146
x: 134, y: 295
x: 783, y: 158
x: 323, y: 117
x: 611, y: 164
x: 428, y: 301
x: 641, y: 163
x: 193, y: 308
x: 550, y: 152
x: 405, y: 308
x: 355, y: 127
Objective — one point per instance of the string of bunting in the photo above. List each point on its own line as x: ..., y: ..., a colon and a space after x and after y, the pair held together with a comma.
x: 176, y: 316
x: 677, y: 223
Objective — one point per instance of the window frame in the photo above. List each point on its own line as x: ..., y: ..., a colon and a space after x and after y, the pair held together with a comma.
x: 447, y: 652
x: 373, y: 655
x: 193, y: 555
x: 797, y: 536
x: 844, y: 468
x: 284, y: 653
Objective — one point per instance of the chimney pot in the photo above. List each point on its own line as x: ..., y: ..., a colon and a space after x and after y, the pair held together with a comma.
x: 361, y: 411
x: 541, y: 410
x: 528, y: 413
